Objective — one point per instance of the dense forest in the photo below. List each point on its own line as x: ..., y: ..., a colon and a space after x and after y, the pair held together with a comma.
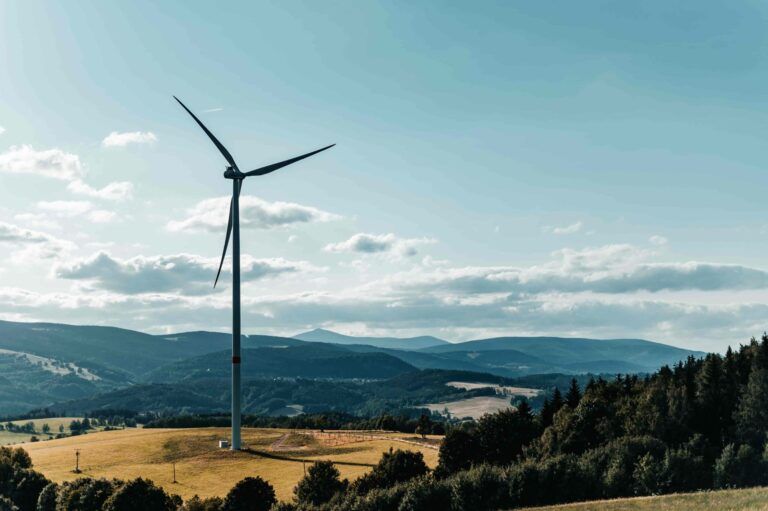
x: 697, y: 425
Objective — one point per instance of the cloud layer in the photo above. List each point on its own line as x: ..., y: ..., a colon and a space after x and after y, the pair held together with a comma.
x: 116, y: 191
x: 116, y: 139
x: 31, y: 244
x: 55, y: 163
x: 212, y: 214
x: 568, y: 229
x: 59, y: 164
x: 180, y: 273
x: 365, y: 243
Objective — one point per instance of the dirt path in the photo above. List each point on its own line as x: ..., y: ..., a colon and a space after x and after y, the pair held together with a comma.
x: 279, y: 444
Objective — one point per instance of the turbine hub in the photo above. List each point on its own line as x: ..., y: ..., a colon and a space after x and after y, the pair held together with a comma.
x: 231, y: 173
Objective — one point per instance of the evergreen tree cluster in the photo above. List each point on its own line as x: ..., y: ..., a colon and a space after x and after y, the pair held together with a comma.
x: 701, y: 424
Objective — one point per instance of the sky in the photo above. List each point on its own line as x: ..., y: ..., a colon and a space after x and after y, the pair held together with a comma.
x: 559, y: 168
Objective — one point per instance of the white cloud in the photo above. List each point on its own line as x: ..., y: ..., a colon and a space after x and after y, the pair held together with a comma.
x: 116, y: 139
x: 2, y: 130
x: 612, y: 270
x: 255, y: 213
x: 59, y: 164
x: 32, y: 244
x: 366, y: 243
x: 568, y: 229
x: 180, y: 273
x: 116, y: 191
x: 55, y: 163
x: 658, y: 240
x: 617, y: 295
x: 713, y: 326
x: 14, y: 234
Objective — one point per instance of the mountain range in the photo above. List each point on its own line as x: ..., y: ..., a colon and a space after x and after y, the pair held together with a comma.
x: 46, y: 363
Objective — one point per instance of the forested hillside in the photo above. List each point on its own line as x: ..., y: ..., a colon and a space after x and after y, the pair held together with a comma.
x: 697, y: 425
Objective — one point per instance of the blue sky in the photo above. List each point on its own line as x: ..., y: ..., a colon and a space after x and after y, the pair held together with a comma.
x: 553, y: 168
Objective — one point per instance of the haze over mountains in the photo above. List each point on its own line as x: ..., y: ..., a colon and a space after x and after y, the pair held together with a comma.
x: 401, y: 343
x: 45, y: 363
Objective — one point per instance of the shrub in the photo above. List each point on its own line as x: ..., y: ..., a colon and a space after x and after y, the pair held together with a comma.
x: 320, y: 484
x: 393, y: 467
x: 7, y: 504
x: 739, y: 467
x: 27, y: 488
x: 84, y: 494
x: 129, y: 494
x: 250, y: 494
x: 197, y: 504
x: 479, y: 488
x: 425, y: 494
x: 46, y: 501
x: 458, y: 451
x: 648, y: 475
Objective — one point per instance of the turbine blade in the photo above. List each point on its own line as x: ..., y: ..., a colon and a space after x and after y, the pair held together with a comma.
x: 226, y: 239
x: 271, y: 168
x: 218, y: 144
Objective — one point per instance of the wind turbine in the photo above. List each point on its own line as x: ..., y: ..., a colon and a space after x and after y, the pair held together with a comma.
x: 233, y: 230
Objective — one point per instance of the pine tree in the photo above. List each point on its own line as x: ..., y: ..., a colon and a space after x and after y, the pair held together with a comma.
x: 557, y: 401
x: 573, y: 397
x: 524, y: 410
x: 546, y: 414
x: 710, y: 408
x: 752, y: 412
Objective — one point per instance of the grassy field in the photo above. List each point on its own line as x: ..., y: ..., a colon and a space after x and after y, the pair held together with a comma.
x: 9, y: 437
x: 752, y: 499
x: 474, y: 407
x: 201, y: 468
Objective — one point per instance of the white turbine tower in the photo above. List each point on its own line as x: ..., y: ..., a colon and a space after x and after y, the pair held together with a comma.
x: 233, y: 230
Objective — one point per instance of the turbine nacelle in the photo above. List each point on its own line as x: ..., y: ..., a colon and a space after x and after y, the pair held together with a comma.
x: 232, y: 173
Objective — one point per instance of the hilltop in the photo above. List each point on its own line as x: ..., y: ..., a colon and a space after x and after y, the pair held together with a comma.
x: 204, y: 469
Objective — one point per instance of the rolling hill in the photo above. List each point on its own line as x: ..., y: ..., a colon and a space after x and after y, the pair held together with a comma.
x: 46, y: 363
x: 306, y: 361
x: 562, y: 352
x: 269, y: 395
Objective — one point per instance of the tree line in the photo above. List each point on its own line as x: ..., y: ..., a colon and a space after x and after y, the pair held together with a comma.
x: 700, y: 424
x: 410, y: 422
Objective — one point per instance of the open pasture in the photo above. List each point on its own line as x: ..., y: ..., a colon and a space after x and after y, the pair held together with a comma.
x: 13, y: 437
x: 502, y: 390
x: 474, y: 407
x: 751, y: 499
x: 279, y: 456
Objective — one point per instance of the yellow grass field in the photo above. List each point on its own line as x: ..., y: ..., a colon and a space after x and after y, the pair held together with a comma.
x: 474, y: 407
x: 9, y: 437
x: 204, y: 469
x: 752, y: 499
